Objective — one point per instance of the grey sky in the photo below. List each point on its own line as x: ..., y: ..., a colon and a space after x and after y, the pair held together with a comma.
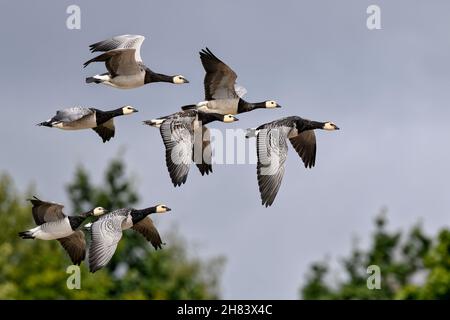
x: 388, y: 90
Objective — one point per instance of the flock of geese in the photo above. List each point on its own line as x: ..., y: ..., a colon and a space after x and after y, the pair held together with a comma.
x: 106, y: 231
x: 179, y: 131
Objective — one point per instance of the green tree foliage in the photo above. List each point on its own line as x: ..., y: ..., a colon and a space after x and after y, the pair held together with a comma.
x: 35, y: 269
x: 413, y: 266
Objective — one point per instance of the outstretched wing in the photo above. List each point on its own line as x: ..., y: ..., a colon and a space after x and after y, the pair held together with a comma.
x: 75, y: 245
x: 271, y: 149
x: 72, y: 114
x: 305, y: 145
x: 202, y: 155
x: 220, y: 79
x: 106, y: 130
x: 126, y: 41
x: 177, y: 136
x: 149, y: 231
x: 118, y: 62
x: 240, y: 90
x: 105, y: 235
x: 44, y: 211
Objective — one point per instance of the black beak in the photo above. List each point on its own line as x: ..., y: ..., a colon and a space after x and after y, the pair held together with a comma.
x: 168, y: 209
x: 135, y: 110
x: 236, y: 119
x: 186, y: 80
x: 336, y: 127
x: 278, y: 106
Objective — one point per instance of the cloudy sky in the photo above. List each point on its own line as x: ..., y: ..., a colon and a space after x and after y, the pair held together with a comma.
x: 387, y: 89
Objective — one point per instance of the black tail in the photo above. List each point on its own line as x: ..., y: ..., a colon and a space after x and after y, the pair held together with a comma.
x: 189, y: 107
x: 45, y: 124
x: 26, y: 235
x: 92, y: 80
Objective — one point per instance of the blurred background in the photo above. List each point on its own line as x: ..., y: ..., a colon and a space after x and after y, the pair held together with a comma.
x: 377, y: 196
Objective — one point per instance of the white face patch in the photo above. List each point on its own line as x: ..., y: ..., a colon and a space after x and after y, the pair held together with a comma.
x: 229, y: 118
x: 99, y: 211
x: 179, y: 80
x: 162, y: 208
x: 128, y: 110
x: 271, y: 104
x: 59, y: 125
x: 329, y: 126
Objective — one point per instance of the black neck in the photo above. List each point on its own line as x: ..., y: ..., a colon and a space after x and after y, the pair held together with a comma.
x: 244, y: 106
x: 138, y: 215
x: 151, y: 76
x: 103, y: 116
x: 76, y: 221
x: 309, y: 125
x: 207, y: 117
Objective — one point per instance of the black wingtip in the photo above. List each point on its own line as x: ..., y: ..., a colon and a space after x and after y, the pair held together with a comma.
x: 87, y: 63
x: 178, y: 183
x: 94, y: 269
x: 35, y: 200
x: 267, y: 203
x: 208, y: 53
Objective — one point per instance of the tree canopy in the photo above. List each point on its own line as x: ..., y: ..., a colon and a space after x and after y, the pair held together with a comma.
x: 412, y: 265
x: 36, y: 269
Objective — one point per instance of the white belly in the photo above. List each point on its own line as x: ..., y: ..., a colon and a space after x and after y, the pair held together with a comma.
x: 87, y: 123
x: 222, y: 106
x: 53, y: 230
x: 127, y: 82
x: 127, y: 223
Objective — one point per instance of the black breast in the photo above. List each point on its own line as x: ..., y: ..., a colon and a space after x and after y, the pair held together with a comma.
x: 103, y: 116
x: 75, y: 222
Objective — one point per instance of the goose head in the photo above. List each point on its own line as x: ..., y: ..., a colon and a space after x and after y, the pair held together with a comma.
x: 128, y: 110
x: 269, y: 104
x: 179, y: 79
x: 330, y: 126
x: 98, y: 211
x: 162, y: 208
x: 228, y: 118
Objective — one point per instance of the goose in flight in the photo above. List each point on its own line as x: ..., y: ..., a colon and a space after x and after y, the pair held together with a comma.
x: 106, y: 232
x: 78, y: 118
x: 186, y: 143
x: 222, y: 95
x: 123, y: 61
x: 53, y: 224
x: 271, y: 149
